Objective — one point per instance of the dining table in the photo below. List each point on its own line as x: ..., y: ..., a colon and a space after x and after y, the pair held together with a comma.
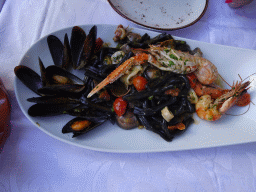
x: 32, y: 160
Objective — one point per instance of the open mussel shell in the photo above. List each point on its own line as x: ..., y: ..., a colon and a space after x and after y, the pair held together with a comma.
x: 88, y: 48
x: 59, y: 89
x: 57, y: 75
x: 43, y: 72
x: 61, y: 54
x: 76, y: 42
x: 60, y: 81
x: 44, y: 110
x: 56, y: 49
x: 67, y: 57
x: 29, y: 78
x: 81, y: 125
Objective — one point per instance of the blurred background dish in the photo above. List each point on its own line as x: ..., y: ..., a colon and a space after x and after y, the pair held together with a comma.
x: 161, y: 15
x: 238, y: 3
x: 5, y: 110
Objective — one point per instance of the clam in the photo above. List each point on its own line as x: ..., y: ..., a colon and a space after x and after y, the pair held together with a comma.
x: 127, y: 121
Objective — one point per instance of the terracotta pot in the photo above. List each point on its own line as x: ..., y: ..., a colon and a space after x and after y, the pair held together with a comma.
x: 5, y: 110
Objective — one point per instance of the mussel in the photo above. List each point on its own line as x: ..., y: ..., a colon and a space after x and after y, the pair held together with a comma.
x: 61, y: 54
x: 76, y: 53
x: 57, y: 75
x: 81, y: 125
x: 77, y: 41
x: 44, y: 110
x: 29, y: 78
x: 88, y: 48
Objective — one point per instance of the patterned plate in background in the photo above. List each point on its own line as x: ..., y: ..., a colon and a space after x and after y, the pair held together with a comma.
x: 161, y: 14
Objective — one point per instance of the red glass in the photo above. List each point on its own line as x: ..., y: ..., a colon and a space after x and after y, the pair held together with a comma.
x: 5, y: 110
x: 238, y: 3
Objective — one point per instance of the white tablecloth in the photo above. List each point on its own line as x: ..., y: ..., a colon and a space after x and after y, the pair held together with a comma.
x: 33, y: 161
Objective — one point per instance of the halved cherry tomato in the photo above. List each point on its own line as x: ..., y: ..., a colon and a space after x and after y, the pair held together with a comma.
x: 98, y: 44
x: 192, y: 79
x: 120, y: 106
x: 140, y: 83
x: 243, y: 100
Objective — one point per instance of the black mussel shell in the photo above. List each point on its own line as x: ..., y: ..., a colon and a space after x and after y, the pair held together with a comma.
x: 67, y: 57
x: 68, y: 89
x: 56, y: 49
x: 88, y: 48
x: 42, y: 70
x: 53, y: 100
x: 29, y: 78
x: 81, y: 125
x: 57, y: 75
x: 89, y: 112
x: 77, y: 41
x: 44, y: 110
x: 61, y: 54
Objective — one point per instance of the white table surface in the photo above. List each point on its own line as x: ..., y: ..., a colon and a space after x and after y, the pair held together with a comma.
x: 33, y: 161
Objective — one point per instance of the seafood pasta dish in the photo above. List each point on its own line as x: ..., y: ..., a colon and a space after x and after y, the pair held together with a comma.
x: 153, y: 83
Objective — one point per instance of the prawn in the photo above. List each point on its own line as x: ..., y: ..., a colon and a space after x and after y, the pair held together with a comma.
x: 169, y: 59
x: 200, y: 89
x: 166, y: 59
x: 212, y: 110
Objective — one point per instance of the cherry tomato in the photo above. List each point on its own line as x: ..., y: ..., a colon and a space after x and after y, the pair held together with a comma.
x: 243, y: 100
x: 140, y: 83
x: 98, y: 44
x: 192, y: 79
x: 120, y: 106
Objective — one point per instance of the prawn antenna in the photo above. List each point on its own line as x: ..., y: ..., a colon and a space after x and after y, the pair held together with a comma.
x: 224, y: 80
x: 241, y: 113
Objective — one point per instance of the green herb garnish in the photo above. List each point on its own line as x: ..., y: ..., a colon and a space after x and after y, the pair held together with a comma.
x: 150, y: 97
x: 166, y: 50
x: 171, y: 63
x: 173, y: 57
